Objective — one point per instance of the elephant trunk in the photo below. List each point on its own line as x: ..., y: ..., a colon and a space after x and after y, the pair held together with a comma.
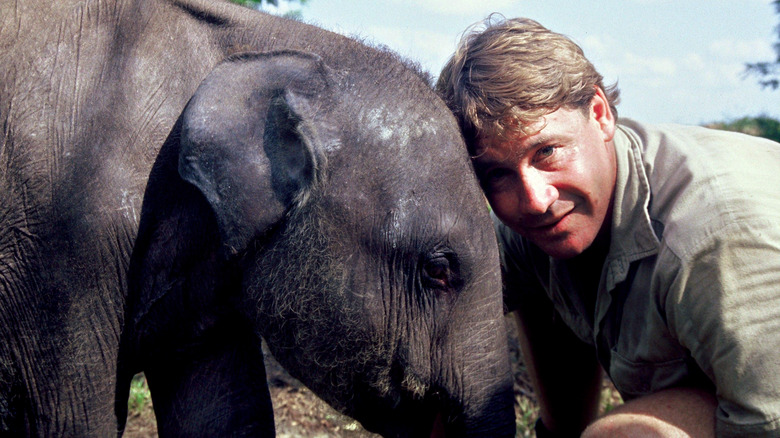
x: 481, y: 384
x: 495, y: 417
x: 489, y: 411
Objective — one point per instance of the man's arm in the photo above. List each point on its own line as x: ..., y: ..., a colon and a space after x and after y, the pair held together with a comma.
x: 725, y: 308
x: 564, y: 370
x: 674, y: 412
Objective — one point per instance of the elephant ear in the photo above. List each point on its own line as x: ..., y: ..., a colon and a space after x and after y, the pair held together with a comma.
x: 250, y: 142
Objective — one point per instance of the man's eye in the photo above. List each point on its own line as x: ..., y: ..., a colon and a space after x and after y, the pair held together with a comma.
x: 545, y: 152
x: 494, y: 178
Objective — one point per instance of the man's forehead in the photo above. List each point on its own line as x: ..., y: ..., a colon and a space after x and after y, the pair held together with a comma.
x: 506, y: 147
x: 513, y: 143
x: 513, y: 130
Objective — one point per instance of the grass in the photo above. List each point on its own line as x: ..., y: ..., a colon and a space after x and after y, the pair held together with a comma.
x: 527, y: 411
x: 526, y: 407
x: 140, y: 397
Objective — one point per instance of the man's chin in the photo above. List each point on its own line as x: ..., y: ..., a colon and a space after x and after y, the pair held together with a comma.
x: 563, y: 248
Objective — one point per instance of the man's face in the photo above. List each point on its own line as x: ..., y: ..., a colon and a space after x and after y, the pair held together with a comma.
x: 554, y: 187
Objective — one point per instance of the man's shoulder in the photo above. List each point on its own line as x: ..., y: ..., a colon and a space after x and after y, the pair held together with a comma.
x: 696, y: 145
x: 704, y: 183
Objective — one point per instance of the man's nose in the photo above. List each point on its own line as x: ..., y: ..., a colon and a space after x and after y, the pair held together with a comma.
x: 537, y: 194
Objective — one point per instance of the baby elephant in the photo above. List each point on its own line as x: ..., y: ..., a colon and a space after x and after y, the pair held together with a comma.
x: 332, y: 212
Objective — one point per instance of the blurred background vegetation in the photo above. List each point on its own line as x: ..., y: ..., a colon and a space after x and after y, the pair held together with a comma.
x: 768, y: 72
x: 761, y: 126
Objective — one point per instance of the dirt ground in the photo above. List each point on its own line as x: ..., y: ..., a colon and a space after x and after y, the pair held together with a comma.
x: 300, y: 413
x: 297, y: 412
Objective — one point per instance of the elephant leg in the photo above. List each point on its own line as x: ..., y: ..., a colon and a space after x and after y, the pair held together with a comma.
x: 216, y: 388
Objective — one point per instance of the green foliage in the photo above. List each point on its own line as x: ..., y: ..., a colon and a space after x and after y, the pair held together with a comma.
x: 769, y: 72
x: 255, y: 3
x: 140, y: 397
x: 761, y: 126
x: 610, y: 399
x: 526, y: 413
x: 247, y: 3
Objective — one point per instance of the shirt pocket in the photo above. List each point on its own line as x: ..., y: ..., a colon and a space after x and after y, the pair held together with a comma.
x: 637, y: 378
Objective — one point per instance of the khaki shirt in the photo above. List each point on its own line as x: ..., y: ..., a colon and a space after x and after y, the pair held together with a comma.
x: 690, y: 290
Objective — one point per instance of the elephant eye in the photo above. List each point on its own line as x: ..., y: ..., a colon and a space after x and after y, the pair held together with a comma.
x: 440, y: 271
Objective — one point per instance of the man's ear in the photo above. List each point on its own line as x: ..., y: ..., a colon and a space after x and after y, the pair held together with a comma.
x: 249, y: 140
x: 601, y: 111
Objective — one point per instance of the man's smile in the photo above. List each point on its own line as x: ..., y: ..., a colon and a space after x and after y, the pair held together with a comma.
x: 547, y: 221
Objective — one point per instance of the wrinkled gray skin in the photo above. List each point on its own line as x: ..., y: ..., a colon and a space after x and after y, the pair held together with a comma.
x: 310, y: 191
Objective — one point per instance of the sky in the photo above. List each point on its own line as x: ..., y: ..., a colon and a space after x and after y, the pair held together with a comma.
x: 679, y: 61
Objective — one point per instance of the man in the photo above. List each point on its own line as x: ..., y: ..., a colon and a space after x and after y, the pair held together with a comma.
x: 652, y: 252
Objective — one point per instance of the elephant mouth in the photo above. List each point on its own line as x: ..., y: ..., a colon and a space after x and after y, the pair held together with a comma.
x: 438, y: 430
x: 407, y: 416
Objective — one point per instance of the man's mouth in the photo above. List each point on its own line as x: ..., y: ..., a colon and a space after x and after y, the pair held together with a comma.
x: 545, y: 222
x: 542, y: 225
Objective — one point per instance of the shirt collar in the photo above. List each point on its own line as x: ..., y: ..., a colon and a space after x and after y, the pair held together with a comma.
x: 632, y: 236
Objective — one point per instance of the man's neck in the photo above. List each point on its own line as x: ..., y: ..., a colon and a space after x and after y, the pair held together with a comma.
x: 585, y: 269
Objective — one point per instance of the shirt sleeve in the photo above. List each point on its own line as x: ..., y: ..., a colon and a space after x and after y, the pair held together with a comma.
x: 724, y: 306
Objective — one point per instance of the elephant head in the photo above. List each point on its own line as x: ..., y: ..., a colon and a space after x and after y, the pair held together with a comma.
x: 332, y: 212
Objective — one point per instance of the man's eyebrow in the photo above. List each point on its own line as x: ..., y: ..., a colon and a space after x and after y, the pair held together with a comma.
x: 539, y: 141
x: 484, y: 160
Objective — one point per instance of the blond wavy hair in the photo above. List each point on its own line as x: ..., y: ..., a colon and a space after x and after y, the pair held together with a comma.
x: 508, y: 73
